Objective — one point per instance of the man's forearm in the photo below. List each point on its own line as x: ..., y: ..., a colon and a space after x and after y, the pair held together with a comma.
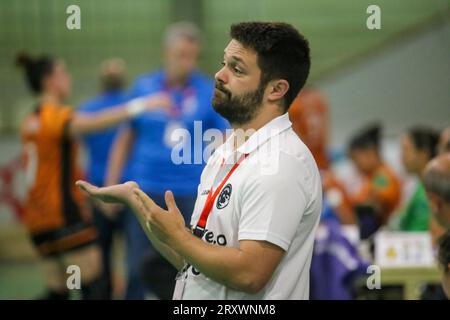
x: 225, y: 265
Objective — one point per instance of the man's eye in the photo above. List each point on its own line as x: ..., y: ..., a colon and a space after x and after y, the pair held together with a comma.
x: 223, y: 63
x: 237, y: 71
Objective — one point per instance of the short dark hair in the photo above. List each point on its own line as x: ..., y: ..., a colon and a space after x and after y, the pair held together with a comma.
x: 282, y: 53
x: 424, y: 139
x: 36, y: 69
x: 444, y: 251
x: 366, y: 138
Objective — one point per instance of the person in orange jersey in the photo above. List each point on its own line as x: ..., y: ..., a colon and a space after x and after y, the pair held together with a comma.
x: 56, y: 215
x: 379, y: 194
x: 310, y: 120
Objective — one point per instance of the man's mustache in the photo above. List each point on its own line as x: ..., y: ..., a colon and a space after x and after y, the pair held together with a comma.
x: 220, y: 87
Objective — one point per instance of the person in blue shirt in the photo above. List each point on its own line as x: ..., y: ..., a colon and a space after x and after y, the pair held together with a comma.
x: 97, y: 146
x: 163, y: 150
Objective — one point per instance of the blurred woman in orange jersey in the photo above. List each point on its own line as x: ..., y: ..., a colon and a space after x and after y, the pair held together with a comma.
x: 310, y: 120
x: 56, y: 215
x: 380, y: 191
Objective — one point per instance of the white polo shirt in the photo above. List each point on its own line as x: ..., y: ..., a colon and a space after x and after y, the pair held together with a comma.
x: 274, y: 195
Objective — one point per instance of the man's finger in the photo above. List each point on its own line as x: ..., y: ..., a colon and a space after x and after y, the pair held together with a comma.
x: 132, y: 184
x: 170, y: 201
x: 136, y: 202
x: 86, y: 186
x: 138, y: 206
x: 146, y: 200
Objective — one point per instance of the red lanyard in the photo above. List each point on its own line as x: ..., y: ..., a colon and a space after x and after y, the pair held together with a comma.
x: 201, y: 225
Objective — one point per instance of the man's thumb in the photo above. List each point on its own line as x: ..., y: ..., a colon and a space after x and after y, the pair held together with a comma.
x: 170, y: 201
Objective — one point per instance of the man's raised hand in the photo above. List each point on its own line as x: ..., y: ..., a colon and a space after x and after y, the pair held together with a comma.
x: 166, y: 225
x: 119, y: 193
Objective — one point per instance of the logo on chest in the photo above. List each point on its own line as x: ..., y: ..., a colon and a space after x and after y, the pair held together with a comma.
x: 224, y: 197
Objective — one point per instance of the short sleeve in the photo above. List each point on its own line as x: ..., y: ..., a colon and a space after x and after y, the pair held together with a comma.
x: 273, y: 205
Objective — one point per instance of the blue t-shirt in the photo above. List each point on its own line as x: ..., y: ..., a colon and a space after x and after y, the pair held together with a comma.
x: 155, y: 160
x: 98, y: 144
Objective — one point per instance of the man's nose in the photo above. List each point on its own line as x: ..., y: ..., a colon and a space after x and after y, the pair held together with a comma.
x: 221, y: 76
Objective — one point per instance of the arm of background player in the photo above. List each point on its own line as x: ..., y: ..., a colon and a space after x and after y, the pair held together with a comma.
x: 85, y: 123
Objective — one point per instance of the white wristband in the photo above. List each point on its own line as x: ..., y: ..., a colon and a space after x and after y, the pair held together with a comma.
x: 136, y: 107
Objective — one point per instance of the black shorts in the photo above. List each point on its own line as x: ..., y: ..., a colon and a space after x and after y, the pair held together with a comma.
x: 59, y: 241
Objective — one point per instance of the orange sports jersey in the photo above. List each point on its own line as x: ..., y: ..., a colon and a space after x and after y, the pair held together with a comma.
x: 382, y: 187
x: 53, y: 201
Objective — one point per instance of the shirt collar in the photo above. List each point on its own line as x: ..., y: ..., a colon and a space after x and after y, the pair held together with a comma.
x: 269, y: 130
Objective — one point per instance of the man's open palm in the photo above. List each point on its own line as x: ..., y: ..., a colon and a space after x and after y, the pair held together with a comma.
x: 121, y: 193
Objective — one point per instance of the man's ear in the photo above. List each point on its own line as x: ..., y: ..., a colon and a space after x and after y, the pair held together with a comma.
x: 277, y: 89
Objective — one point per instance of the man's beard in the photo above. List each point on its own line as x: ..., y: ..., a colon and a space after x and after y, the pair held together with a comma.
x: 238, y: 110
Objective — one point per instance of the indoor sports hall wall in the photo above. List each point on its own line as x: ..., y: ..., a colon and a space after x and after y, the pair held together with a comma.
x: 336, y: 29
x: 404, y: 85
x: 108, y: 28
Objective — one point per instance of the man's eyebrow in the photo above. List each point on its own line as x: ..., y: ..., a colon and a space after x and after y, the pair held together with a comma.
x: 236, y: 59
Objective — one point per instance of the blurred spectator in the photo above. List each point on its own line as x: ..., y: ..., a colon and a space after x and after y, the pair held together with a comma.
x: 436, y: 179
x: 437, y: 185
x: 444, y: 261
x: 436, y: 229
x: 97, y: 145
x: 310, y: 120
x: 148, y: 143
x: 444, y: 141
x: 418, y: 146
x: 336, y: 264
x: 380, y: 192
